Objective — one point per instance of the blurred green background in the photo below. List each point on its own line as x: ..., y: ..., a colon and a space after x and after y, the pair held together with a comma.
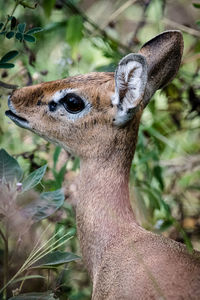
x: 81, y: 36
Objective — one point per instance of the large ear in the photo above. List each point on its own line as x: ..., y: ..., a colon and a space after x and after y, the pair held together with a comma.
x: 163, y: 55
x: 130, y: 84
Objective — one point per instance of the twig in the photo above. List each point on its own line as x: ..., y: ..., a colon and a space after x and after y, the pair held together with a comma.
x: 182, y: 27
x: 140, y: 24
x: 190, y: 59
x: 182, y: 164
x: 8, y: 86
x: 12, y: 13
x: 78, y: 11
x: 119, y: 11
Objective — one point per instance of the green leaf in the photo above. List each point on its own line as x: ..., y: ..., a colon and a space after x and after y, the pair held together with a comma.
x: 29, y: 38
x: 166, y: 224
x: 55, y: 259
x: 28, y: 277
x: 55, y: 26
x: 44, y: 207
x: 157, y: 171
x: 60, y: 176
x: 6, y: 66
x: 8, y: 56
x: 1, y: 25
x: 48, y: 5
x: 197, y: 5
x: 10, y: 34
x: 56, y: 155
x: 33, y: 179
x: 13, y: 23
x: 34, y: 296
x: 184, y: 235
x: 9, y: 167
x: 34, y: 30
x: 154, y: 200
x: 21, y: 27
x: 193, y: 187
x: 27, y: 4
x: 74, y: 31
x: 19, y: 36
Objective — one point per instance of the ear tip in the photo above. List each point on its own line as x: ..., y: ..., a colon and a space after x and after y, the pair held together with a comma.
x: 171, y: 33
x: 132, y: 57
x: 175, y: 36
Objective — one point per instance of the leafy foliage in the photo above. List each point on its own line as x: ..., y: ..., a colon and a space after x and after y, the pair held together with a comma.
x: 17, y: 31
x: 74, y: 32
x: 48, y: 5
x: 28, y: 213
x: 79, y: 37
x: 33, y: 179
x: 55, y: 258
x: 10, y: 170
x: 197, y: 5
x: 45, y: 206
x: 7, y: 57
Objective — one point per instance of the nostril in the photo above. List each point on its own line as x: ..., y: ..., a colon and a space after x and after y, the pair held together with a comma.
x: 52, y: 106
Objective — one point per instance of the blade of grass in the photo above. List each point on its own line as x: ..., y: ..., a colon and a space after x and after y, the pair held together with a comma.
x: 49, y: 249
x: 36, y: 250
x: 27, y: 264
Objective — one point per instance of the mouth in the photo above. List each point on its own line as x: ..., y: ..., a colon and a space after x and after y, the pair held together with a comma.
x: 21, y: 122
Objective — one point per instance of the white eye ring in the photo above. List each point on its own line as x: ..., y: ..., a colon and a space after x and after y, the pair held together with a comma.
x: 59, y: 100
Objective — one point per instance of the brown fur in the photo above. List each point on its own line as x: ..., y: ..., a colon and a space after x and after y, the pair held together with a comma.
x: 124, y: 260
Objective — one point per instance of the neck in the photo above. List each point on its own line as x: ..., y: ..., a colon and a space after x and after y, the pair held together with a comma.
x: 104, y: 212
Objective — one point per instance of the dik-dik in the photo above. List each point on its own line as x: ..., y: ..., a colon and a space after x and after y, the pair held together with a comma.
x: 96, y: 116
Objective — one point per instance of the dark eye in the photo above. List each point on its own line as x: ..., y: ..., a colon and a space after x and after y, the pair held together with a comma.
x: 72, y: 103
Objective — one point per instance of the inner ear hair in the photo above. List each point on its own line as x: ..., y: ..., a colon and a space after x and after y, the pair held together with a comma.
x: 130, y: 83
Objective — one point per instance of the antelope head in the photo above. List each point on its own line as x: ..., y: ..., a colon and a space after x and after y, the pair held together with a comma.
x: 90, y: 114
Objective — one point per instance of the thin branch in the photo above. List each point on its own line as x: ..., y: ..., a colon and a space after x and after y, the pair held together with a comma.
x: 190, y: 59
x: 8, y: 86
x: 12, y: 13
x: 140, y: 24
x: 181, y: 27
x: 182, y: 164
x: 77, y: 10
x: 118, y: 12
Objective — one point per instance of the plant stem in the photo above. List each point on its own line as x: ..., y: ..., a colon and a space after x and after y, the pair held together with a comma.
x: 21, y: 285
x: 2, y: 235
x: 12, y: 13
x: 30, y: 260
x: 5, y: 264
x: 49, y: 249
x: 48, y: 278
x: 8, y: 85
